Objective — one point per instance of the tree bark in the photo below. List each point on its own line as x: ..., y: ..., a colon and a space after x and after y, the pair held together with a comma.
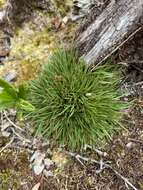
x: 120, y: 20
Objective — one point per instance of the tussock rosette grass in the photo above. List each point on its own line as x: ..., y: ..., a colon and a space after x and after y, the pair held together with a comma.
x: 73, y: 105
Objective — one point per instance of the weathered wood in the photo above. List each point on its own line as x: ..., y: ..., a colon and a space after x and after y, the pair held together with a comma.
x: 108, y: 31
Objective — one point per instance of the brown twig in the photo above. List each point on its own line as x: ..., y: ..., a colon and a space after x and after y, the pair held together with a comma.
x: 12, y: 123
x: 136, y: 141
x: 8, y: 144
x: 99, y: 152
x: 102, y: 165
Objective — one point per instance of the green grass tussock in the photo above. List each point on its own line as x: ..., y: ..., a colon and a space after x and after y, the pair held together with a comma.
x: 73, y: 105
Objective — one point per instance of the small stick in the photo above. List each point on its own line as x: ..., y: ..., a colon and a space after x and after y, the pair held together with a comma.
x: 11, y: 122
x: 103, y: 166
x: 1, y: 118
x: 138, y: 83
x: 123, y: 178
x: 136, y: 141
x: 8, y: 144
x: 120, y: 45
x: 99, y: 152
x: 20, y: 137
x: 130, y: 62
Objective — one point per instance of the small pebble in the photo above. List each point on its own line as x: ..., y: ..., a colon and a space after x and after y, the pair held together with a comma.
x: 48, y: 163
x: 10, y: 77
x: 65, y: 19
x: 38, y: 169
x: 5, y: 134
x: 48, y: 173
x: 130, y: 145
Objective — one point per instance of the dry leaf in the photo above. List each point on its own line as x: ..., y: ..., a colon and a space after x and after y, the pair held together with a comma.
x: 36, y: 187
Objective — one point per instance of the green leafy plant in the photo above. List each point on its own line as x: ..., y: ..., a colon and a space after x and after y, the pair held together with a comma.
x: 11, y: 97
x: 73, y: 105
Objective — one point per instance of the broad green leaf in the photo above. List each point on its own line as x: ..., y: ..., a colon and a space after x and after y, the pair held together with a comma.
x: 7, y: 104
x: 8, y: 88
x: 6, y: 100
x: 4, y: 96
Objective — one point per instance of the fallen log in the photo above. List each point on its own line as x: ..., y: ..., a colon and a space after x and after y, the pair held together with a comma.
x: 119, y: 20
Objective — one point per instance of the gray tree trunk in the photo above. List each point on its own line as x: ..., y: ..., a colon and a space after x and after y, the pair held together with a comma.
x: 120, y: 20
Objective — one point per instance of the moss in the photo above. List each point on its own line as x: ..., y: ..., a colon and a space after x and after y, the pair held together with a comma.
x: 2, y: 2
x: 28, y: 54
x: 7, y: 181
x: 3, y: 141
x: 60, y: 159
x: 30, y: 50
x: 63, y: 7
x: 14, y: 169
x: 35, y: 41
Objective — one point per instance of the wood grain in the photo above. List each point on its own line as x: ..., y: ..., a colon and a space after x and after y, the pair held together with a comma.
x: 120, y: 20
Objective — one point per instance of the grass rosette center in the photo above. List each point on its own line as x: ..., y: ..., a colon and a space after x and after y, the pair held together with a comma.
x: 75, y: 106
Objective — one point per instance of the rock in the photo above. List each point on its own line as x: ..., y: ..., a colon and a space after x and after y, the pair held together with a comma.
x: 4, y: 131
x: 2, y: 14
x: 65, y: 19
x: 48, y: 173
x: 48, y: 163
x: 5, y: 125
x: 37, y: 156
x: 38, y: 169
x: 130, y: 145
x: 10, y: 77
x: 5, y: 134
x: 1, y: 61
x: 37, y: 160
x: 4, y: 52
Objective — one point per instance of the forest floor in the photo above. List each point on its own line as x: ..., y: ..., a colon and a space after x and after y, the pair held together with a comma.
x: 118, y: 165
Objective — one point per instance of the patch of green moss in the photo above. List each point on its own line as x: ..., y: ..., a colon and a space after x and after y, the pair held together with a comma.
x: 35, y: 41
x: 2, y: 2
x: 7, y: 181
x: 14, y: 169
x: 63, y: 7
x: 31, y: 49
